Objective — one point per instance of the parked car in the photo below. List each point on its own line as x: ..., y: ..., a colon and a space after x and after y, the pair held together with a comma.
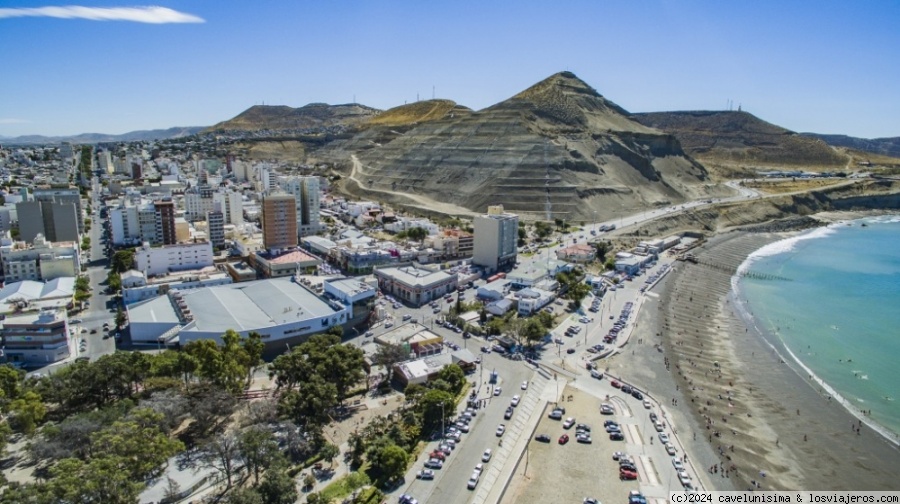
x: 556, y: 414
x: 564, y: 439
x: 625, y: 474
x: 606, y: 409
x: 670, y: 449
x: 515, y: 401
x: 486, y: 456
x: 434, y: 464
x: 616, y: 436
x: 568, y: 423
x: 473, y: 480
x: 425, y: 474
x: 663, y: 438
x: 501, y: 429
x: 583, y: 438
x: 509, y: 413
x: 543, y: 438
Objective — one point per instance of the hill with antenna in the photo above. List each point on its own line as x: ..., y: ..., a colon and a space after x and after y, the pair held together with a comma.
x: 558, y: 149
x: 282, y: 117
x: 739, y: 137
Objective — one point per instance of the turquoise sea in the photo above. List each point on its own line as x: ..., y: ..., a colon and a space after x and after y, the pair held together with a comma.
x: 838, y: 312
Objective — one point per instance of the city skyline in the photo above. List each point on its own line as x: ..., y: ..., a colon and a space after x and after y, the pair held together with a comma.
x: 105, y: 68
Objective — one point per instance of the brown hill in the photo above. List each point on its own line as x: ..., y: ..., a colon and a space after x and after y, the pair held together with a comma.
x: 423, y: 111
x: 741, y: 138
x: 556, y: 150
x: 282, y: 117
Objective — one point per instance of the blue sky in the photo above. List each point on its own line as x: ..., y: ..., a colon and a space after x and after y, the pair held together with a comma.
x: 825, y: 66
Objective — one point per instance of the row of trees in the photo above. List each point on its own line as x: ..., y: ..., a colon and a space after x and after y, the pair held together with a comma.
x: 385, y: 444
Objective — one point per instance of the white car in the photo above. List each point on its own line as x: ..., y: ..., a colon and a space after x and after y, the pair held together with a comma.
x: 677, y: 463
x: 479, y: 467
x: 670, y: 449
x: 501, y: 429
x: 568, y: 423
x: 524, y: 385
x: 486, y: 456
x: 647, y: 403
x: 663, y: 438
x: 497, y: 391
x: 515, y: 401
x: 473, y: 480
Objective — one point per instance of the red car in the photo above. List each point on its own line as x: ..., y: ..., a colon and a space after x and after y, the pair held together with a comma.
x: 615, y: 384
x: 438, y: 455
x: 626, y: 474
x: 564, y: 439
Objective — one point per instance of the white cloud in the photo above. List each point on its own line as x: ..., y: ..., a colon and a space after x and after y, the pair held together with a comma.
x: 11, y: 120
x: 151, y: 14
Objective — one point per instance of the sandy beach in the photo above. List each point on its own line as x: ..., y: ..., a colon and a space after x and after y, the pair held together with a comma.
x: 748, y: 417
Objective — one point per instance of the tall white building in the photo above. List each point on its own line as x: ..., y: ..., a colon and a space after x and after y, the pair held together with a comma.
x: 306, y: 193
x: 496, y: 237
x: 198, y: 201
x: 231, y: 204
x: 267, y: 177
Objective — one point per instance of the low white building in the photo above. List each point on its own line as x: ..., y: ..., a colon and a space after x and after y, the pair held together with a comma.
x: 40, y: 261
x: 532, y: 299
x: 153, y: 261
x: 136, y: 287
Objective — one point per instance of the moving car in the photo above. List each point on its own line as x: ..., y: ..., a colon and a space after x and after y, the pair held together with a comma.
x: 473, y: 480
x: 606, y: 409
x: 497, y: 391
x: 524, y: 385
x: 515, y: 401
x: 501, y: 429
x: 617, y: 455
x: 486, y: 456
x: 670, y: 449
x: 509, y: 413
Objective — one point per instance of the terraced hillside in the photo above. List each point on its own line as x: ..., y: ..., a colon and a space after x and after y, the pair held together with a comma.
x: 742, y: 138
x: 556, y: 150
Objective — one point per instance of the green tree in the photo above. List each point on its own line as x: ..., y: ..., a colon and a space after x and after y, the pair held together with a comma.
x: 388, y: 355
x: 98, y: 480
x: 533, y: 331
x: 137, y: 445
x: 10, y: 383
x: 389, y: 462
x: 122, y: 261
x: 277, y: 487
x: 328, y: 452
x: 435, y: 406
x: 121, y: 318
x: 309, y: 403
x: 417, y: 233
x: 542, y: 229
x: 602, y: 249
x: 244, y: 496
x: 113, y: 282
x: 258, y: 449
x: 27, y: 412
x: 454, y: 376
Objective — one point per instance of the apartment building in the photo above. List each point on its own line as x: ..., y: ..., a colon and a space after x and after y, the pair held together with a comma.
x: 496, y: 238
x: 279, y: 221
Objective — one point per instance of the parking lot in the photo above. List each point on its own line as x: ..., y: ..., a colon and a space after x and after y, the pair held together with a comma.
x: 568, y: 473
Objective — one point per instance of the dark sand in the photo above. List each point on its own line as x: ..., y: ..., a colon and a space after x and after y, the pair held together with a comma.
x: 752, y: 398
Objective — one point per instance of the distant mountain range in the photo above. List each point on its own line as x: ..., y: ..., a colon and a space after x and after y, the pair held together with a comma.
x: 883, y: 146
x: 92, y: 138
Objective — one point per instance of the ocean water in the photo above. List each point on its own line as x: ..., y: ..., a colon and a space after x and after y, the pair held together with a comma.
x: 838, y: 315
